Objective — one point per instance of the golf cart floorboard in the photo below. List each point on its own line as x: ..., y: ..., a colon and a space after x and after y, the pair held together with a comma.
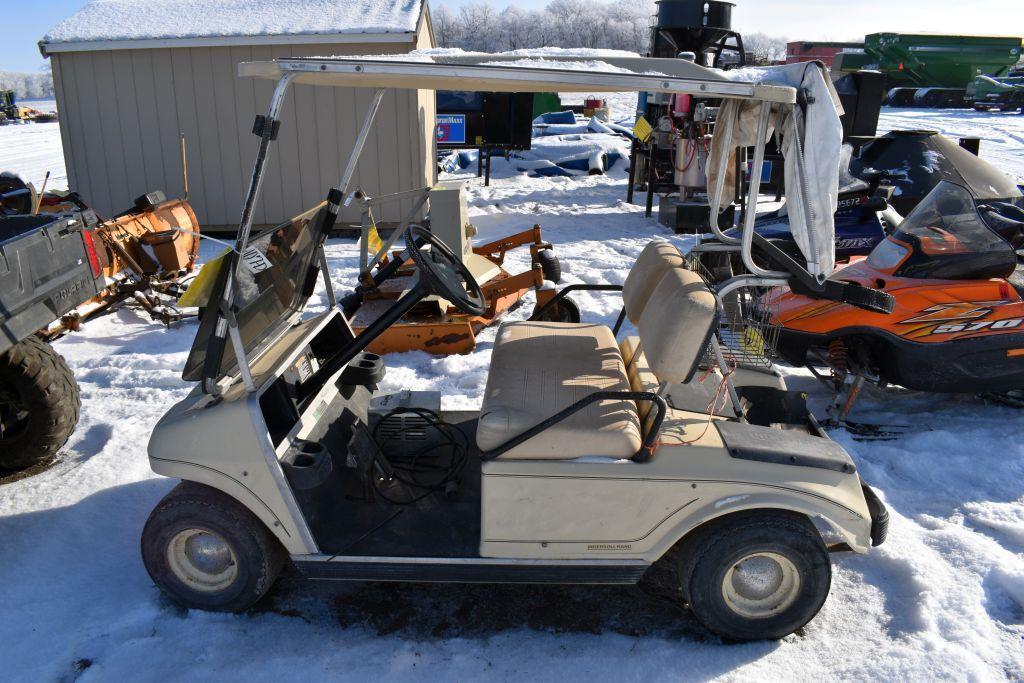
x: 436, y: 526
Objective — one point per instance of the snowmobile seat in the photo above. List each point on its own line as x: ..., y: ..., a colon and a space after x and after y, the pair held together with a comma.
x: 540, y: 368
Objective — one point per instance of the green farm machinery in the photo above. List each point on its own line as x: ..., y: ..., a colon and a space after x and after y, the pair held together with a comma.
x: 1003, y: 91
x: 926, y: 70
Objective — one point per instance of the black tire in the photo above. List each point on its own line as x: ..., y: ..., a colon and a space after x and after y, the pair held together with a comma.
x: 565, y: 311
x: 19, y: 204
x: 549, y: 265
x: 251, y: 565
x: 712, y: 555
x: 39, y: 404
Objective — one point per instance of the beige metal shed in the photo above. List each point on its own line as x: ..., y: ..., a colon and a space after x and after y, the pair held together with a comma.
x: 131, y: 76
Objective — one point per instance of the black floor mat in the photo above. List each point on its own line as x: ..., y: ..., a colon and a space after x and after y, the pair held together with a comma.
x: 436, y: 526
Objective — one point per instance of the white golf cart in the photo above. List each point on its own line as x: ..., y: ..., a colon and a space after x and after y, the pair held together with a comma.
x: 591, y: 458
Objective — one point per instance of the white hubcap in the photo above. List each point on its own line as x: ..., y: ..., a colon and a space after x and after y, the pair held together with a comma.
x: 202, y: 560
x: 761, y: 585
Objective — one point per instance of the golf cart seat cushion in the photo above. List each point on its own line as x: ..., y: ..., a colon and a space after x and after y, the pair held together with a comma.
x: 676, y: 325
x: 657, y: 258
x: 540, y: 368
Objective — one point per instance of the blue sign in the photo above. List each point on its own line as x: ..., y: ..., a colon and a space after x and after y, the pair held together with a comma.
x: 451, y: 129
x: 766, y: 171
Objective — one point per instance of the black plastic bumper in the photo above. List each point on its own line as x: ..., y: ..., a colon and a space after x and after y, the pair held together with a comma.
x: 879, y: 515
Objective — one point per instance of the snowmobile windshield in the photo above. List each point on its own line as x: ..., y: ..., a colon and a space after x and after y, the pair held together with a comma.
x: 945, y: 238
x: 274, y: 278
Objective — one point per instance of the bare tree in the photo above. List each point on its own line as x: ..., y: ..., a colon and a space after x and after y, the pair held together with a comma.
x: 765, y: 48
x: 479, y: 26
x: 616, y: 24
x: 514, y: 26
x: 28, y: 85
x: 447, y: 27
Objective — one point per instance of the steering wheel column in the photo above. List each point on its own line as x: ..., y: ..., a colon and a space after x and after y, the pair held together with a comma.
x: 438, y: 271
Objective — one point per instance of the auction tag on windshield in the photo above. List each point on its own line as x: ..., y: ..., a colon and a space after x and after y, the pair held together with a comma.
x: 255, y: 260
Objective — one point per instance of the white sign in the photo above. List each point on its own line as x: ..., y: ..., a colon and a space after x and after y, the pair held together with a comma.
x: 255, y: 260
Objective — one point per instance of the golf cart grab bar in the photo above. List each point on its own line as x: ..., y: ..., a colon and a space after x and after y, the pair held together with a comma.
x: 646, y: 447
x: 802, y: 282
x: 578, y: 287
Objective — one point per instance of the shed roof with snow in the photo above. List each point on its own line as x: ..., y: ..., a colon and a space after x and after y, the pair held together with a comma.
x: 131, y: 76
x: 219, y: 22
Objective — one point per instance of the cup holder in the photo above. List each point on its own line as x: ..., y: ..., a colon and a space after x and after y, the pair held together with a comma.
x: 303, y: 460
x: 307, y: 464
x: 366, y: 369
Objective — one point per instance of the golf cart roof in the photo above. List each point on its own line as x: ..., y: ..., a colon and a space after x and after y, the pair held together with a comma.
x: 516, y: 73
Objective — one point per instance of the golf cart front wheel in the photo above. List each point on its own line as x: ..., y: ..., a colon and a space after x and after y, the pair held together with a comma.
x: 207, y: 551
x: 756, y: 576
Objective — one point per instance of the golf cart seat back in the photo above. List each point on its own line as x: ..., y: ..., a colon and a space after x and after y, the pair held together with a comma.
x: 539, y: 369
x: 657, y: 258
x: 676, y: 325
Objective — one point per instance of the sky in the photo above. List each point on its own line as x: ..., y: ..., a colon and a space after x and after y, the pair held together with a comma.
x: 24, y: 23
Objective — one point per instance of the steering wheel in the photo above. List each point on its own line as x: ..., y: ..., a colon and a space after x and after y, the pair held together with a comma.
x: 442, y: 271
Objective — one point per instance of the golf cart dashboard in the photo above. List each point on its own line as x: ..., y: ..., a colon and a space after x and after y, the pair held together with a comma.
x: 290, y: 393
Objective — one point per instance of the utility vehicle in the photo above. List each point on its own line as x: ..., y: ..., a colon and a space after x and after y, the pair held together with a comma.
x: 60, y: 265
x: 592, y: 457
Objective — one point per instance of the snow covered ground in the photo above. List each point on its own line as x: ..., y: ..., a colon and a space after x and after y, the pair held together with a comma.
x: 942, y: 599
x: 32, y: 149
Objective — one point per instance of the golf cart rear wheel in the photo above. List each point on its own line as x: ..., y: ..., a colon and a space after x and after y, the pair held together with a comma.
x: 39, y: 404
x: 207, y: 551
x: 757, y: 575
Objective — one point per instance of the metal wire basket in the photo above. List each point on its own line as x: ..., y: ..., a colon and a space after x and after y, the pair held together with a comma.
x: 746, y: 333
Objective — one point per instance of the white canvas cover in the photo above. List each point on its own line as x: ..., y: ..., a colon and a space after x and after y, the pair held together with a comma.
x: 810, y: 138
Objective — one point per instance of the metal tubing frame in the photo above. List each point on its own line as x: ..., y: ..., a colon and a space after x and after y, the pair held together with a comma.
x: 648, y: 444
x: 753, y: 190
x: 357, y: 148
x: 578, y: 287
x: 739, y: 282
x: 226, y: 324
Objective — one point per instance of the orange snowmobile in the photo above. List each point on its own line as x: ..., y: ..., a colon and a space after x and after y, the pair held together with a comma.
x: 955, y: 274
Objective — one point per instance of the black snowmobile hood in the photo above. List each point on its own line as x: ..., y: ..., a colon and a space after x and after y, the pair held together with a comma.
x: 915, y: 161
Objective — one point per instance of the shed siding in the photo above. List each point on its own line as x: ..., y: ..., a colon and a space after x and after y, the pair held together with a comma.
x: 122, y: 112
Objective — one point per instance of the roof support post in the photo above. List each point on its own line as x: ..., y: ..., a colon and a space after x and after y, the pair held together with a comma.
x: 753, y: 191
x: 227, y: 326
x: 357, y: 148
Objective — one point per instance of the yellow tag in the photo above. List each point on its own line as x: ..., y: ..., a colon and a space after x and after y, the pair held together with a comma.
x: 198, y: 293
x: 752, y: 342
x: 373, y: 241
x: 642, y: 130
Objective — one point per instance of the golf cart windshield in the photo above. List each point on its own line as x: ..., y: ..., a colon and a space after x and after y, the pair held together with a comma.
x: 274, y: 277
x: 945, y: 237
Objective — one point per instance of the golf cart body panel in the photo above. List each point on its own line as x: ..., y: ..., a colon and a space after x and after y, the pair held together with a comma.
x: 231, y: 447
x: 618, y: 509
